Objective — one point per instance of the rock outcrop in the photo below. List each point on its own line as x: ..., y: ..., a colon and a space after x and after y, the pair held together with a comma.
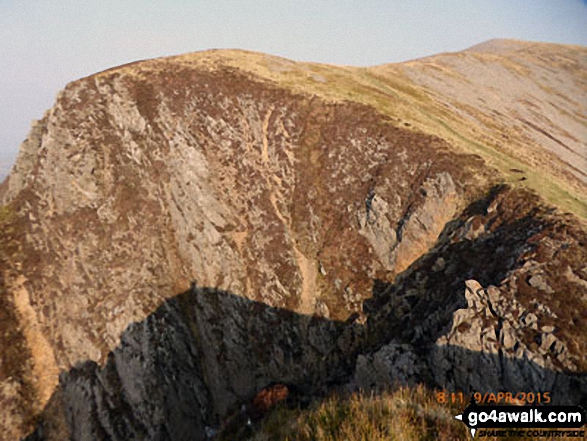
x: 514, y: 350
x: 204, y: 355
x: 513, y: 331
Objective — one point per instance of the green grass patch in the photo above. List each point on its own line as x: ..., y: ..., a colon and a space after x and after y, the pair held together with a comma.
x: 536, y: 180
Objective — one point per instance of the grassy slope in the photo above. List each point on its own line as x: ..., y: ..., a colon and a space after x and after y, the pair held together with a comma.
x: 390, y: 91
x: 527, y: 63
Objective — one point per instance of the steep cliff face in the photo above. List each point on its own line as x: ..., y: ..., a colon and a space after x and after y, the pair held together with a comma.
x: 291, y: 210
x: 210, y: 176
x: 192, y: 363
x: 185, y: 369
x: 497, y: 304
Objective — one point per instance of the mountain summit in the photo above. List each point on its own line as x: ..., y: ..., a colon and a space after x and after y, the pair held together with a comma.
x: 179, y: 234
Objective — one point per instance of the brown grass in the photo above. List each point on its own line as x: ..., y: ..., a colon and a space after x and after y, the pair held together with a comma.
x: 406, y: 414
x: 388, y: 89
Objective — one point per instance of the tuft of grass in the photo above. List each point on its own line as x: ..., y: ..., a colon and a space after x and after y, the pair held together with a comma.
x: 403, y: 414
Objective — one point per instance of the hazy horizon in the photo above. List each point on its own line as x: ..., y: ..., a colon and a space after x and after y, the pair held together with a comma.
x: 50, y: 44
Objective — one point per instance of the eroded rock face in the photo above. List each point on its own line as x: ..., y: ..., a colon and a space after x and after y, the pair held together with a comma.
x: 206, y: 353
x: 392, y: 365
x: 398, y: 245
x: 191, y: 364
x: 136, y: 183
x: 506, y: 333
x: 341, y: 238
x: 495, y: 326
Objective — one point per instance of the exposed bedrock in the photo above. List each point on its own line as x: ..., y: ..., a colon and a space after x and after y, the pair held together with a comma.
x: 335, y: 247
x: 205, y: 353
x: 136, y: 183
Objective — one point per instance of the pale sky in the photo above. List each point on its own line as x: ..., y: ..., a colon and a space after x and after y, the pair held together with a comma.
x: 46, y: 44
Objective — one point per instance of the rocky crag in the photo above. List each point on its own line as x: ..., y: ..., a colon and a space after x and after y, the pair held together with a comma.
x: 179, y: 373
x: 318, y: 242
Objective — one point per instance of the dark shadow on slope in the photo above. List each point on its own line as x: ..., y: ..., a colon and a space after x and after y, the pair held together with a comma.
x: 194, y: 361
x: 204, y: 353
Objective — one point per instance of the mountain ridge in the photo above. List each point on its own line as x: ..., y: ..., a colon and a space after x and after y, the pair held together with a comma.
x: 362, y: 194
x: 531, y: 135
